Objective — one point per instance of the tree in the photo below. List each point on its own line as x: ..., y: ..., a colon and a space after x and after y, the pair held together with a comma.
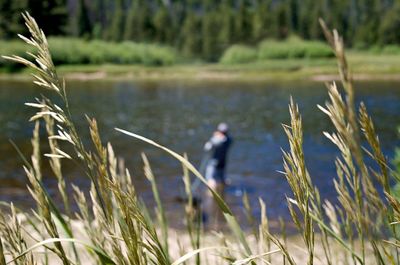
x: 210, y: 30
x: 315, y: 31
x: 52, y: 15
x: 191, y: 40
x: 242, y: 23
x: 367, y: 32
x: 262, y: 22
x: 225, y: 36
x: 338, y: 17
x: 11, y: 22
x: 293, y: 14
x: 131, y: 29
x: 282, y: 21
x: 116, y: 29
x: 389, y: 30
x: 139, y: 26
x: 81, y: 25
x: 163, y: 25
x: 211, y: 47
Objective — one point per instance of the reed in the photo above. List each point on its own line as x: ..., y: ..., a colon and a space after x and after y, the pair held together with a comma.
x: 113, y: 226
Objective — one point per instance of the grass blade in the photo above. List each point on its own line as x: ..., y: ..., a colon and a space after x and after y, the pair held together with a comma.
x: 230, y: 218
x: 105, y: 259
x: 194, y: 253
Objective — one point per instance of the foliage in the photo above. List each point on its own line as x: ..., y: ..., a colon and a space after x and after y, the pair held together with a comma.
x: 12, y: 47
x: 239, y: 54
x: 80, y: 23
x: 203, y: 28
x: 117, y: 227
x: 293, y: 48
x: 52, y: 14
x: 78, y: 51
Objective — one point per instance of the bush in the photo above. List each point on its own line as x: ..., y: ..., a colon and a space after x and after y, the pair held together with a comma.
x: 273, y: 50
x: 391, y: 49
x: 69, y: 50
x: 12, y: 48
x: 293, y: 48
x: 157, y: 55
x: 316, y: 49
x: 78, y: 51
x: 239, y: 54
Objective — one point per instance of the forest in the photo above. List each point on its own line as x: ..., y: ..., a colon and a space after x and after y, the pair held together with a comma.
x: 205, y: 28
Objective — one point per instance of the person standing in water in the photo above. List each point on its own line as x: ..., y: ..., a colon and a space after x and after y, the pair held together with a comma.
x: 218, y: 147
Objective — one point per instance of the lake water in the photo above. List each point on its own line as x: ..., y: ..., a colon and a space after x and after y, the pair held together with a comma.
x: 182, y: 116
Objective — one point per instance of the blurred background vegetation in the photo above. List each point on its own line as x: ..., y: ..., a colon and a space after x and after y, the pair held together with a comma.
x: 230, y: 31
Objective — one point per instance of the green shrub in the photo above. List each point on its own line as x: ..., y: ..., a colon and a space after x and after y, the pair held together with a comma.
x: 69, y: 50
x: 239, y: 54
x: 375, y: 49
x: 78, y: 51
x: 12, y: 48
x: 391, y: 49
x: 316, y: 49
x: 273, y: 50
x: 293, y: 48
x: 156, y: 55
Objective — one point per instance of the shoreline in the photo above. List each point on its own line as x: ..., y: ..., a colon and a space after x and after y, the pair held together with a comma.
x: 364, y: 66
x: 206, y: 75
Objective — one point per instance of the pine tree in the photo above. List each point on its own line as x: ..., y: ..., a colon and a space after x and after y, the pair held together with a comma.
x: 163, y: 25
x: 337, y: 16
x: 11, y: 22
x: 305, y: 19
x: 282, y: 21
x: 367, y: 32
x: 225, y: 36
x: 4, y: 10
x: 131, y: 28
x: 315, y: 31
x: 293, y: 14
x: 139, y: 25
x: 118, y: 22
x: 191, y: 39
x: 389, y: 29
x: 99, y: 14
x: 209, y: 27
x: 210, y: 30
x: 81, y: 25
x: 242, y: 23
x: 52, y: 15
x: 262, y: 21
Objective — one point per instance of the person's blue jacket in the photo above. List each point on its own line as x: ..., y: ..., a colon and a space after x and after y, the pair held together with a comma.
x: 218, y: 147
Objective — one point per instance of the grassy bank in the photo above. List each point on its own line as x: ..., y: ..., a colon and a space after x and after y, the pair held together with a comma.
x: 293, y: 59
x: 365, y: 65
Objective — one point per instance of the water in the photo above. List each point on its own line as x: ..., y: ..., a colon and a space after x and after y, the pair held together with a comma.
x: 182, y: 116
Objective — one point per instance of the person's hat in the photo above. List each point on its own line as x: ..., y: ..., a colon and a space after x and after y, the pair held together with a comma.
x: 223, y: 127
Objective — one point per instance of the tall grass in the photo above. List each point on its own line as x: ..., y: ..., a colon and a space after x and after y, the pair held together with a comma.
x: 114, y: 226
